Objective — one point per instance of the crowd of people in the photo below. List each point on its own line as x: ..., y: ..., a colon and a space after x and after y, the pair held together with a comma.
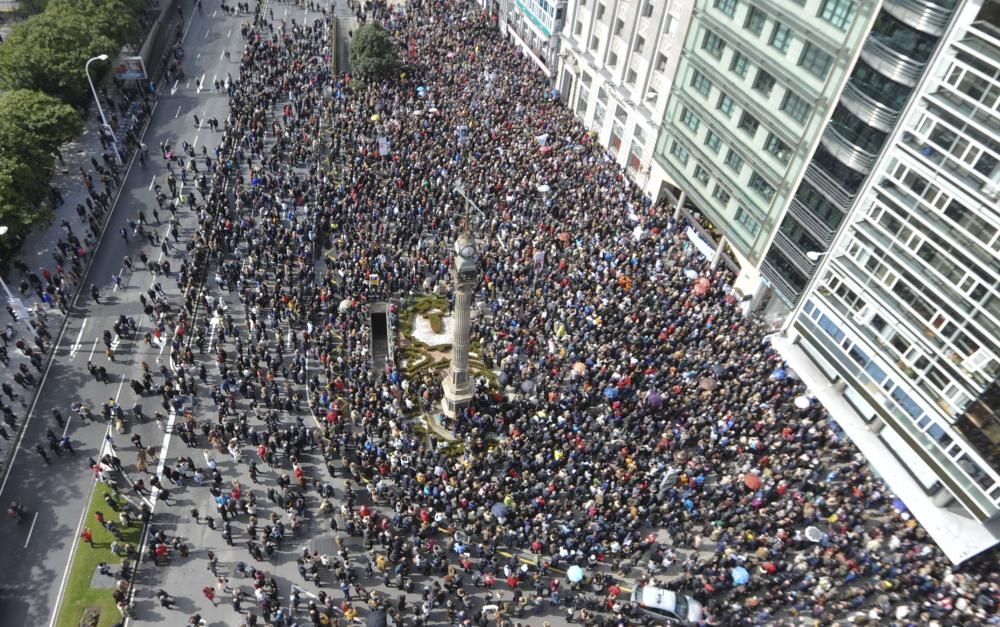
x: 634, y: 427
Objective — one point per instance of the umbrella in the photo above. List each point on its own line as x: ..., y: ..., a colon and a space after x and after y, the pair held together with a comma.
x: 899, y: 505
x: 708, y: 383
x: 544, y: 149
x: 752, y: 480
x: 543, y: 188
x: 802, y: 402
x: 655, y: 399
x: 701, y: 286
x: 813, y: 534
x: 740, y: 576
x: 376, y: 117
x: 418, y: 112
x: 527, y: 386
x: 500, y: 510
x: 579, y: 367
x: 611, y: 392
x: 563, y: 236
x: 574, y: 573
x: 344, y: 305
x: 779, y: 374
x: 691, y: 274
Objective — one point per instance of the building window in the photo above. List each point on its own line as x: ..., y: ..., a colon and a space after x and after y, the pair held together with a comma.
x: 680, y: 152
x: 640, y: 43
x: 612, y: 59
x: 734, y: 161
x: 690, y: 120
x: 726, y: 6
x: 749, y: 124
x: 744, y: 219
x: 595, y: 43
x: 700, y: 83
x: 713, y: 142
x: 763, y: 82
x: 778, y: 148
x: 670, y: 27
x: 619, y: 25
x: 721, y: 195
x: 630, y: 77
x: 781, y: 37
x: 755, y: 20
x: 713, y: 44
x: 725, y: 105
x: 578, y: 28
x: 762, y: 187
x: 647, y: 8
x: 661, y: 62
x: 838, y: 12
x: 739, y: 64
x: 701, y: 174
x: 815, y: 61
x: 796, y: 108
x: 600, y: 11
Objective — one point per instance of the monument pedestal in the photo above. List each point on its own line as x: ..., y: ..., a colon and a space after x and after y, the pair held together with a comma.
x: 456, y: 398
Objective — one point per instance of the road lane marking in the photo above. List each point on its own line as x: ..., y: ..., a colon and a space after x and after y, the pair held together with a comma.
x: 188, y: 84
x: 76, y: 345
x: 94, y: 348
x: 195, y: 142
x: 230, y: 34
x: 176, y: 115
x: 173, y: 90
x: 30, y: 530
x: 221, y: 55
x: 201, y: 84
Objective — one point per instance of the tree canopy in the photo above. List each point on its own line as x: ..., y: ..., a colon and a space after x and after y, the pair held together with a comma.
x: 32, y: 126
x: 373, y: 53
x: 47, y: 53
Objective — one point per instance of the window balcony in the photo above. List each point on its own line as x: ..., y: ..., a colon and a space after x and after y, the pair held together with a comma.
x: 890, y: 63
x: 847, y: 152
x: 867, y: 109
x: 922, y: 15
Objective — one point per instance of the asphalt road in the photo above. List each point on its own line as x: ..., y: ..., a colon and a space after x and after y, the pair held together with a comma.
x: 36, y: 554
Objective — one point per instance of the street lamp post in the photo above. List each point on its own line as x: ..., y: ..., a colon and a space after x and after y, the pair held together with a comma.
x: 15, y: 303
x: 100, y: 109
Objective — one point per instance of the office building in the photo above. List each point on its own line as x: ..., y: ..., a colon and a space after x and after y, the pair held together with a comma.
x: 535, y: 26
x: 898, y: 332
x: 616, y: 65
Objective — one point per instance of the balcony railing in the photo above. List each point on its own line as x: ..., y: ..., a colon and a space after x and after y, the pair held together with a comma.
x: 867, y: 109
x: 847, y: 152
x: 890, y: 63
x: 924, y: 16
x: 829, y: 186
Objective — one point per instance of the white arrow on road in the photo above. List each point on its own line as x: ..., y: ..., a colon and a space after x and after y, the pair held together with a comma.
x: 76, y: 346
x: 201, y: 83
x: 173, y: 90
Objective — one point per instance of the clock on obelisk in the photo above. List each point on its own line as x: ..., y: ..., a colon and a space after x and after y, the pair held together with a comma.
x: 458, y: 385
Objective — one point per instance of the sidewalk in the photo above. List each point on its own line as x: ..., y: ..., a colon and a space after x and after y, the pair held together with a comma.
x: 37, y: 254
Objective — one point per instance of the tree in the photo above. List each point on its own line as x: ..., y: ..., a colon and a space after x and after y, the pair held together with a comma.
x: 47, y: 53
x: 373, y: 53
x: 21, y: 190
x: 117, y: 19
x: 31, y: 119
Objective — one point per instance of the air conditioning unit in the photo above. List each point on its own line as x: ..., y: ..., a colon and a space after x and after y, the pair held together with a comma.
x: 865, y: 315
x: 977, y: 360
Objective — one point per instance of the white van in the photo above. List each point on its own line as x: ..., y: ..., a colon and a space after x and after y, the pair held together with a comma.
x: 672, y: 606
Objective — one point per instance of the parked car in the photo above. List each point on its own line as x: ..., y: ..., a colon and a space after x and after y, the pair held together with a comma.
x: 672, y: 607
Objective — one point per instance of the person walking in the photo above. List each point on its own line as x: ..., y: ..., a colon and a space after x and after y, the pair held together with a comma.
x: 88, y: 536
x: 41, y: 452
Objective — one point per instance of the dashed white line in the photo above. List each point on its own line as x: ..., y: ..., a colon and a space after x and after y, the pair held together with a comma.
x: 151, y: 183
x: 33, y: 521
x: 177, y: 115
